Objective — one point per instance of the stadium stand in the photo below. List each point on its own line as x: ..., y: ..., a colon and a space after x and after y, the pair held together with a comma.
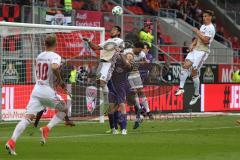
x: 188, y: 10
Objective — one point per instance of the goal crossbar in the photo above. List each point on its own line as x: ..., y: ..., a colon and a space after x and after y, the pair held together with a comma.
x: 45, y: 26
x: 28, y: 25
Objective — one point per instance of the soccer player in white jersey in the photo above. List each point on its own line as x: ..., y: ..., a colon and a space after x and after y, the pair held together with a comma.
x: 199, y: 51
x: 43, y: 94
x: 109, y: 48
x: 135, y: 80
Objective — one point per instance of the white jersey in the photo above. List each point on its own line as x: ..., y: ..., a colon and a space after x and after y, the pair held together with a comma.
x: 209, y: 31
x: 141, y: 56
x: 134, y: 77
x: 109, y: 48
x: 136, y: 59
x: 44, y: 73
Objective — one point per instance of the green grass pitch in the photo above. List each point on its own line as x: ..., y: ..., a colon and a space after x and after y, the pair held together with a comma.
x: 215, y: 138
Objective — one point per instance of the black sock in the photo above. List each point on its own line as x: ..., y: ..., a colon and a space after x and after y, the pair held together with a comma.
x: 136, y: 109
x: 38, y: 117
x: 67, y: 118
x: 111, y: 120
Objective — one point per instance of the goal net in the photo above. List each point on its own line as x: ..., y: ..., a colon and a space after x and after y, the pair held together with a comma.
x: 20, y: 45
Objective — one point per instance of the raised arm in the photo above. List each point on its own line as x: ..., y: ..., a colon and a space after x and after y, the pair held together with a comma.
x: 126, y: 62
x: 56, y: 72
x: 92, y: 45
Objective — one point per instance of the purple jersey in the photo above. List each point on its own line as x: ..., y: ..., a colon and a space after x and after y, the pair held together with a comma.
x: 118, y: 83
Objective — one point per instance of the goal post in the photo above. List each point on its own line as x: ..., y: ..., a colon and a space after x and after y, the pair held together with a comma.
x: 20, y: 43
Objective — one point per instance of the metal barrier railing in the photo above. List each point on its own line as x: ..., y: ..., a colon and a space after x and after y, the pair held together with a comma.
x: 233, y: 14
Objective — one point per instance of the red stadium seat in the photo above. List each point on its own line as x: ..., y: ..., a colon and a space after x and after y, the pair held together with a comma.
x: 167, y: 39
x: 128, y: 28
x: 128, y: 19
x: 108, y: 25
x: 77, y: 4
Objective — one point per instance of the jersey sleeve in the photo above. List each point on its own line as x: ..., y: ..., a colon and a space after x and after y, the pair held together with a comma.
x: 128, y: 50
x: 121, y: 44
x: 142, y: 55
x: 102, y: 44
x: 56, y: 60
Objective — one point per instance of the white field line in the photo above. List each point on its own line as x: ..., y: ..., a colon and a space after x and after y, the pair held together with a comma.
x: 5, y: 124
x: 132, y: 132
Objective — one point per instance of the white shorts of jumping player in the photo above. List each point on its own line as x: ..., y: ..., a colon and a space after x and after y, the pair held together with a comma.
x: 104, y: 71
x: 197, y: 58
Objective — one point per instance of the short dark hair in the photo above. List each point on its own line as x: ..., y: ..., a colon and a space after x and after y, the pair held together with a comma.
x: 209, y: 12
x: 118, y: 28
x: 50, y: 40
x: 139, y: 45
x: 146, y: 44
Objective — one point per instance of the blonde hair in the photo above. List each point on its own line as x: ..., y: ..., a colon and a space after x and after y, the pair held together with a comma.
x: 50, y: 40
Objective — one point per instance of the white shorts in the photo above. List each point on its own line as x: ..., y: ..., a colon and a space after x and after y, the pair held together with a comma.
x: 104, y: 71
x: 197, y: 58
x: 43, y: 96
x: 135, y: 81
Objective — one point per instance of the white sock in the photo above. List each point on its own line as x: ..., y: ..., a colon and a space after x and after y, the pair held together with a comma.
x: 56, y: 119
x: 104, y: 102
x: 21, y: 126
x: 196, y: 83
x: 145, y: 103
x: 137, y: 101
x: 105, y: 94
x: 183, y: 77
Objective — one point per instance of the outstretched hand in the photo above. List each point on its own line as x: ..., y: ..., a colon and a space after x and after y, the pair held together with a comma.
x: 195, y: 30
x: 86, y: 39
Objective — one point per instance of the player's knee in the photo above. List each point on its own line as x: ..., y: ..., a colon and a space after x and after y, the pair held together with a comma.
x: 61, y: 106
x: 139, y: 91
x: 29, y: 117
x: 103, y: 84
x: 144, y: 98
x: 187, y: 64
x: 111, y: 108
x: 123, y: 108
x: 194, y: 73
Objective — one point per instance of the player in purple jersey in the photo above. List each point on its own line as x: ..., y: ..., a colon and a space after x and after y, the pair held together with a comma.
x: 117, y: 94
